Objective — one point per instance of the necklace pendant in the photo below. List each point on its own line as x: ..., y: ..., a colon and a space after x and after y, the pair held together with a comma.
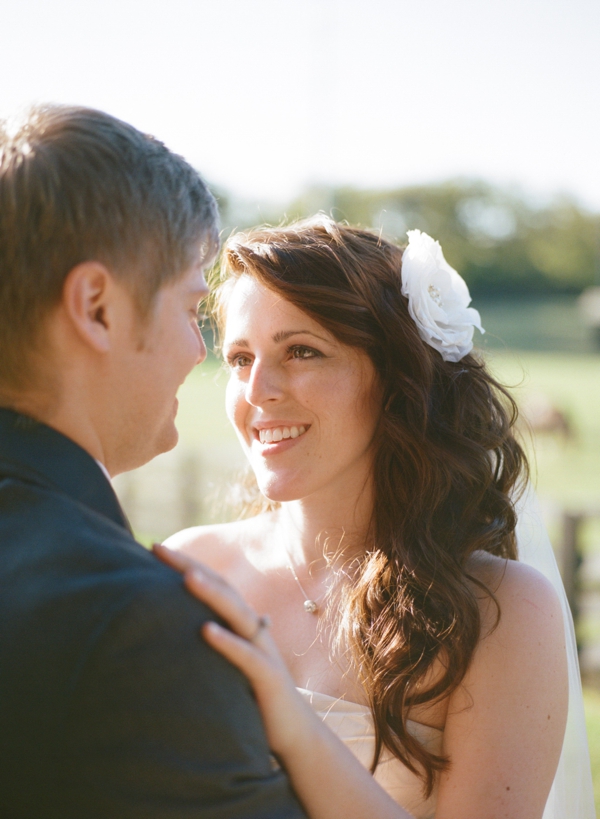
x: 310, y: 606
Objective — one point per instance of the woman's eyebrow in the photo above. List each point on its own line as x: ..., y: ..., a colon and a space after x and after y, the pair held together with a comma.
x: 236, y: 342
x: 284, y: 335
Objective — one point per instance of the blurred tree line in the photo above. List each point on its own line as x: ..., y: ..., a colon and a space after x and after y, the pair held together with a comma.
x: 501, y: 242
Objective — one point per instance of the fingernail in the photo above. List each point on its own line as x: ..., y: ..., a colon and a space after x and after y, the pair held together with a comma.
x: 213, y: 628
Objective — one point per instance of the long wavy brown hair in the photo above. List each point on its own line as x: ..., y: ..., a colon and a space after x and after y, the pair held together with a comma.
x: 446, y: 470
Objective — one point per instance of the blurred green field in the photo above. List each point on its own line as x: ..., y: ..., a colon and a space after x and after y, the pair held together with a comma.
x: 543, y: 323
x: 566, y: 471
x: 201, y: 417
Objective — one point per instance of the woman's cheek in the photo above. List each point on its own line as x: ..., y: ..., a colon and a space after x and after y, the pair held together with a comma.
x: 236, y: 406
x: 232, y: 398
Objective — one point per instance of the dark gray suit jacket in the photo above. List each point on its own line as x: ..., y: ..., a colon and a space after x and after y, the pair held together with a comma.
x: 111, y: 705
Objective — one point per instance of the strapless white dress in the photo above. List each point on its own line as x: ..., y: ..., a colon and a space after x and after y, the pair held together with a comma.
x: 354, y: 725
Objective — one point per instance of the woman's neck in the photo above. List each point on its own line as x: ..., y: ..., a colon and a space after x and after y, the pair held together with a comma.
x: 319, y: 531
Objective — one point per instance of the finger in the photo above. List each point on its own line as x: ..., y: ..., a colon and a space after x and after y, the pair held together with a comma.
x: 181, y: 562
x: 240, y: 652
x: 226, y: 602
x: 172, y: 557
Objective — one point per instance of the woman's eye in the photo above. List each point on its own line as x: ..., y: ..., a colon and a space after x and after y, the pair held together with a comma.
x: 303, y: 352
x: 236, y: 362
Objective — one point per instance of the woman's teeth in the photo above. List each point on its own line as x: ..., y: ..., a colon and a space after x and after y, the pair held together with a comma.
x: 273, y: 436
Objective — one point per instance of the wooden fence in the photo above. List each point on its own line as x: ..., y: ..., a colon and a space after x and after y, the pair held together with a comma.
x: 581, y: 585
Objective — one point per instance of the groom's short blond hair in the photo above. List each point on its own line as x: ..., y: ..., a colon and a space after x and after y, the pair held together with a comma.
x: 76, y: 185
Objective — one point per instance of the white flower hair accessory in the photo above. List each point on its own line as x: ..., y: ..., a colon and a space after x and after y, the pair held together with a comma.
x: 438, y: 298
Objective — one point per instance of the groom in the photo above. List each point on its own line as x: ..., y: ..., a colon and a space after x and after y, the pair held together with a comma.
x: 110, y: 703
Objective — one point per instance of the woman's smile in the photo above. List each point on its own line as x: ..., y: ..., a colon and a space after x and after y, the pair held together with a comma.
x: 278, y: 433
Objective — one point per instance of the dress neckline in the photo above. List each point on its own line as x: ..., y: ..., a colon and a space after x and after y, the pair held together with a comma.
x: 327, y: 702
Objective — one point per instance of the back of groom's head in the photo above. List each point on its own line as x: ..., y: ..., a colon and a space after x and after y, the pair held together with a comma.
x: 77, y: 185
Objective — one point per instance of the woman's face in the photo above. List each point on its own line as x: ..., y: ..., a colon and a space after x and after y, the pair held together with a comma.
x: 304, y: 405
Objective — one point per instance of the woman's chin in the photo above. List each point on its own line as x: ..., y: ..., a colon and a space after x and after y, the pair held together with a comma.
x: 276, y: 496
x: 280, y: 491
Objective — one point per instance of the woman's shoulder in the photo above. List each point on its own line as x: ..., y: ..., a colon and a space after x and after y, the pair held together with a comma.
x: 505, y: 577
x: 526, y: 600
x: 521, y: 623
x: 219, y: 543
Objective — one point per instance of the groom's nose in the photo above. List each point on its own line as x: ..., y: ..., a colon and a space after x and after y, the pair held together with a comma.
x: 201, y: 348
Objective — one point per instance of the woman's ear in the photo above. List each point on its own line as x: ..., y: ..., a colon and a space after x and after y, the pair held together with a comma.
x: 88, y: 299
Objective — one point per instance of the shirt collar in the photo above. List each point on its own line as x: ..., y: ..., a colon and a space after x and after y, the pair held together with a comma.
x: 104, y: 469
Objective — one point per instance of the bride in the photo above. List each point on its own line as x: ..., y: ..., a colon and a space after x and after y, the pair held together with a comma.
x: 381, y: 548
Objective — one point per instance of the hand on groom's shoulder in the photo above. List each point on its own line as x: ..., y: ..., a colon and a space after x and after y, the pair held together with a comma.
x: 182, y: 723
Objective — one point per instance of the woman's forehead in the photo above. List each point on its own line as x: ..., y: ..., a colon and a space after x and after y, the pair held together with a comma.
x: 252, y: 305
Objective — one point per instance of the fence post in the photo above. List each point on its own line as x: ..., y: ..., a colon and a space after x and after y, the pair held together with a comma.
x: 190, y: 502
x: 571, y: 560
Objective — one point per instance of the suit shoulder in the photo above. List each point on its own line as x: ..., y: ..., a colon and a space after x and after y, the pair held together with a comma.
x: 46, y: 520
x: 56, y: 548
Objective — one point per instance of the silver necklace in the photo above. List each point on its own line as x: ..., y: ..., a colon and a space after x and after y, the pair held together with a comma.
x: 310, y: 606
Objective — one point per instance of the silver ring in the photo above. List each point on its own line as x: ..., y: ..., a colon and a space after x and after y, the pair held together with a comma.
x: 263, y: 622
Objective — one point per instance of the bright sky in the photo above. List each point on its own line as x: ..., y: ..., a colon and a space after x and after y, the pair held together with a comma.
x: 265, y: 96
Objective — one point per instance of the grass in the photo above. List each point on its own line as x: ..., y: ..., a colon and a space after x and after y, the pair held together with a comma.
x: 566, y: 472
x: 201, y: 418
x: 592, y: 718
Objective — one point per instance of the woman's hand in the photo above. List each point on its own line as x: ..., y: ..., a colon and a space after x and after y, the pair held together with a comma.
x: 249, y: 646
x: 328, y: 779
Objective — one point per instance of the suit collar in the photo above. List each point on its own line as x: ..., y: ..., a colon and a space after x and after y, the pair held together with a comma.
x: 39, y: 454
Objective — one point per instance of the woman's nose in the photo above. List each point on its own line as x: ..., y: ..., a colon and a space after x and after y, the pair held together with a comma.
x: 265, y: 384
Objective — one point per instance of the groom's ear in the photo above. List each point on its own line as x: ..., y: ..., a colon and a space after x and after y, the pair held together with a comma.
x: 90, y: 300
